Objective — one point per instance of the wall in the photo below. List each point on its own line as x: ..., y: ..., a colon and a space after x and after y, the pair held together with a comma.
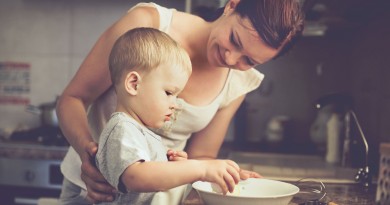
x: 314, y: 67
x: 53, y: 37
x: 355, y: 61
x: 370, y: 65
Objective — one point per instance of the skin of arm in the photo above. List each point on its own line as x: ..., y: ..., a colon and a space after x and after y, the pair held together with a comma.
x: 206, y: 143
x: 91, y: 80
x: 142, y: 176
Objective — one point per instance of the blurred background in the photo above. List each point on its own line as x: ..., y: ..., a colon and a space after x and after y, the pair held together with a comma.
x: 341, y: 64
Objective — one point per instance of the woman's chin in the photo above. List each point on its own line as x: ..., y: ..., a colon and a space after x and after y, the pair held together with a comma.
x: 215, y: 63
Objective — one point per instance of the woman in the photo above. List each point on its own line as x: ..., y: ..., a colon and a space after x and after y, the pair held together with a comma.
x: 223, y: 53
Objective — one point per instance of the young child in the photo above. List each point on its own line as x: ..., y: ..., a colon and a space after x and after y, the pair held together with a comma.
x: 149, y: 69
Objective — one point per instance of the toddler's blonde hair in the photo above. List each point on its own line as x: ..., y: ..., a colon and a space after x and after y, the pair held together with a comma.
x: 144, y: 49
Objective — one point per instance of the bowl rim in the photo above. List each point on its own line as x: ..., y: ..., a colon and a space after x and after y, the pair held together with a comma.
x: 255, y: 197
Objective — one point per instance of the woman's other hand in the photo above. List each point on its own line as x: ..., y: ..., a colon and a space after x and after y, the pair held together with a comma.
x: 245, y: 174
x: 176, y: 155
x: 99, y: 190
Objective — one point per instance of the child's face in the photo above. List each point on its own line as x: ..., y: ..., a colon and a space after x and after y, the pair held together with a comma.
x: 157, y: 94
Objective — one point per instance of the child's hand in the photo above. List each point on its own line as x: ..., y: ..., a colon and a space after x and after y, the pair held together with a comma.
x: 225, y: 173
x: 176, y: 155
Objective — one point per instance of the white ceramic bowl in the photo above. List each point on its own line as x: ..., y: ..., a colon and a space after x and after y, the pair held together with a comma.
x: 252, y: 191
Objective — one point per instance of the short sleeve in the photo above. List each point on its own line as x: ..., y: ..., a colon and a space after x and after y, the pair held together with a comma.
x: 240, y: 83
x: 119, y: 147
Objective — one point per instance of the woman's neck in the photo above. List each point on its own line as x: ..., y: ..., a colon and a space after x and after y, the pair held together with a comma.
x: 198, y: 42
x: 193, y: 38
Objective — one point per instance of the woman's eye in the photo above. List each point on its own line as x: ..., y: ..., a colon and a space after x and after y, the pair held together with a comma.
x: 249, y: 62
x: 232, y: 40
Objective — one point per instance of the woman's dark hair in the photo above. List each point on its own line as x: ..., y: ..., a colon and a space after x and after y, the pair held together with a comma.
x: 278, y: 22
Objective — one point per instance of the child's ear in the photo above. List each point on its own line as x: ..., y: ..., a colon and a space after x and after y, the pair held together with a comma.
x: 131, y: 82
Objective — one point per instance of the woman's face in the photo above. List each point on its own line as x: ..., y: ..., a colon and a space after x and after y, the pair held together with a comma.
x: 234, y: 43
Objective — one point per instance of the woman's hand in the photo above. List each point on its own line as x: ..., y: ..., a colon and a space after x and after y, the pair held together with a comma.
x: 245, y: 174
x: 225, y: 173
x: 99, y: 190
x: 176, y: 155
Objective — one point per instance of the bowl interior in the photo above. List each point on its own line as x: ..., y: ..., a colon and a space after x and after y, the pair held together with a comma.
x: 253, y: 188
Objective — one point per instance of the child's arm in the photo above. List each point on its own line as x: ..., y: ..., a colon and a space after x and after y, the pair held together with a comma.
x: 160, y: 176
x: 182, y: 155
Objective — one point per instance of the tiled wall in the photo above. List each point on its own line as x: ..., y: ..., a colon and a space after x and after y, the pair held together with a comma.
x: 53, y: 37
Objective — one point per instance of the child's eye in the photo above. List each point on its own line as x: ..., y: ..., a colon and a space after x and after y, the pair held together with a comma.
x: 168, y: 93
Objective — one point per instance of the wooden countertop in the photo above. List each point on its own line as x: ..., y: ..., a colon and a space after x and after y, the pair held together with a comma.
x: 340, y: 194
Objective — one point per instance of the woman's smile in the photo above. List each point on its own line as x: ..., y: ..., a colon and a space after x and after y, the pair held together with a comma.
x: 220, y: 59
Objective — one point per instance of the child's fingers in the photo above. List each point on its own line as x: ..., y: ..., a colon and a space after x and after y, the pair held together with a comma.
x: 230, y: 182
x: 182, y: 154
x: 233, y: 164
x: 170, y: 152
x: 223, y: 186
x: 234, y: 174
x: 176, y: 158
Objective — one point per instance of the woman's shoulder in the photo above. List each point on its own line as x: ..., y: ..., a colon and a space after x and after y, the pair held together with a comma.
x: 141, y: 15
x: 153, y: 15
x: 240, y: 83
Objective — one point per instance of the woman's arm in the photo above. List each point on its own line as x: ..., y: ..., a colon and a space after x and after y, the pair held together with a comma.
x: 206, y: 143
x: 143, y: 177
x: 91, y: 80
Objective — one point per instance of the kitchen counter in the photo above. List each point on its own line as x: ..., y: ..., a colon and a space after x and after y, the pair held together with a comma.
x: 292, y: 167
x: 32, y: 151
x: 339, y: 182
x: 340, y: 194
